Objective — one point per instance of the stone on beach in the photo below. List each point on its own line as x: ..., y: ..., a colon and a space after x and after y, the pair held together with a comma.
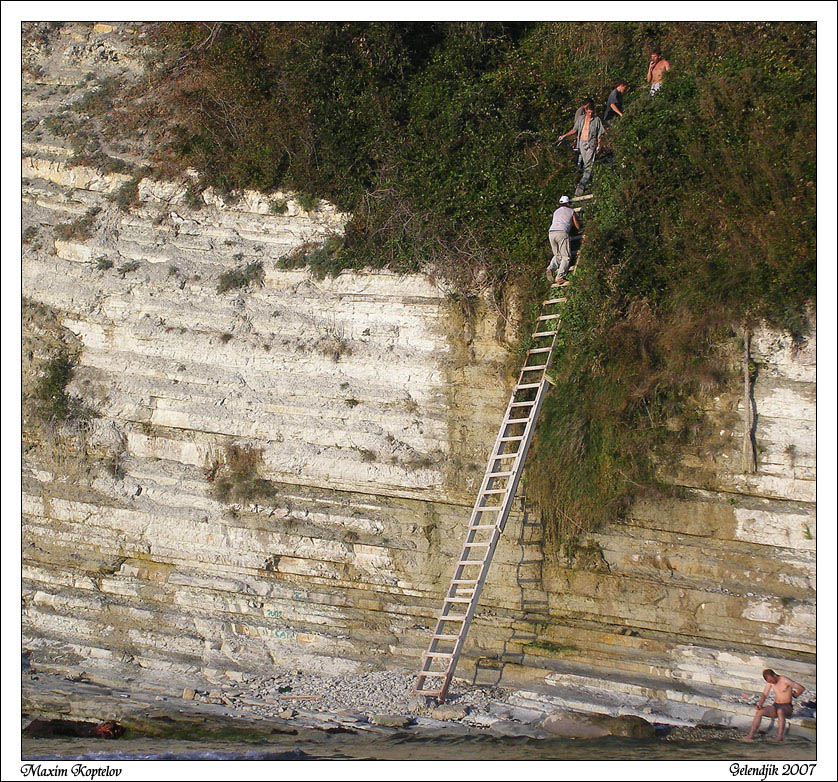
x: 448, y: 711
x: 573, y: 725
x: 391, y: 720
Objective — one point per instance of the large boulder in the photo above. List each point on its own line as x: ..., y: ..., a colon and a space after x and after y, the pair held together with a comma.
x: 572, y: 725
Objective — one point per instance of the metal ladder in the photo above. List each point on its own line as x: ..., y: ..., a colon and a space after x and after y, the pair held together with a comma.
x: 491, y: 509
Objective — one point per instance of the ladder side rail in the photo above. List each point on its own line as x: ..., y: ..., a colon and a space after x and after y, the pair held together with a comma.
x: 495, y: 464
x: 448, y: 675
x: 459, y: 644
x: 492, y: 466
x: 515, y: 478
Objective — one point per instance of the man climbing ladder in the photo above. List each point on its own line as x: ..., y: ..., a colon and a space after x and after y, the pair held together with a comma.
x: 564, y: 218
x: 491, y: 509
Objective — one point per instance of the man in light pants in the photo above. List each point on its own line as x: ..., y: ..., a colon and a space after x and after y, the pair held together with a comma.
x: 588, y: 130
x: 559, y: 235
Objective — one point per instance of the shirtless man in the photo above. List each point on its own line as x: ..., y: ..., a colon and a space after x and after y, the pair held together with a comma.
x: 784, y: 690
x: 654, y: 75
x: 588, y: 130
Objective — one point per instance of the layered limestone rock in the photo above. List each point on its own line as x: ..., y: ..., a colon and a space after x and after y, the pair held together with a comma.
x: 370, y: 402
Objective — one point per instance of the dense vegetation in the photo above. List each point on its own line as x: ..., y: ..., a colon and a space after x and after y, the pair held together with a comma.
x: 236, y: 478
x: 440, y: 139
x: 53, y: 403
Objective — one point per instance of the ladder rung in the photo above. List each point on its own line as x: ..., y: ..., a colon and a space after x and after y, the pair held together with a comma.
x: 464, y: 591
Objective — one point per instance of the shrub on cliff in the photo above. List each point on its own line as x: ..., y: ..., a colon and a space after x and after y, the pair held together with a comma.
x: 241, y: 277
x: 236, y: 479
x: 54, y: 404
x: 439, y: 138
x: 705, y: 225
x: 80, y: 229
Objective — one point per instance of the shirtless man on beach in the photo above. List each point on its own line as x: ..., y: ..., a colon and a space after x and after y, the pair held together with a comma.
x: 784, y: 690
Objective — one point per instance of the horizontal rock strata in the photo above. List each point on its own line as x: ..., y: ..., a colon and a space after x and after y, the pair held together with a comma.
x: 369, y: 401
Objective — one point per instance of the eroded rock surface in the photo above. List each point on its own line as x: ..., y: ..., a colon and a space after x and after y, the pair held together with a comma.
x: 371, y: 402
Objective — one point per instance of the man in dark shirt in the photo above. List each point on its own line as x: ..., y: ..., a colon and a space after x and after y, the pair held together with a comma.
x: 614, y: 104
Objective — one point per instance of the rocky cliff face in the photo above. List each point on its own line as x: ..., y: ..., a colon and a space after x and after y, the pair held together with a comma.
x: 369, y: 403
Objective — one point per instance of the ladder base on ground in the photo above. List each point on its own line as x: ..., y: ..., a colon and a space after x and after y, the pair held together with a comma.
x: 492, y: 506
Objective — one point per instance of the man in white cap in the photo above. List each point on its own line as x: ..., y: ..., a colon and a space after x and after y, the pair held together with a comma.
x: 563, y: 218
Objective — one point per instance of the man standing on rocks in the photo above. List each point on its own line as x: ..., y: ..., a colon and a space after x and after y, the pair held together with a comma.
x: 559, y: 234
x: 588, y: 130
x: 784, y: 690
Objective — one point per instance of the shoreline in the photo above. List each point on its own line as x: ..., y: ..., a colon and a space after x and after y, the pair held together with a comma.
x: 292, y: 708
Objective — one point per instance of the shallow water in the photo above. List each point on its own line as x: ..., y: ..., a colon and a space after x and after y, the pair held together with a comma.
x: 313, y: 745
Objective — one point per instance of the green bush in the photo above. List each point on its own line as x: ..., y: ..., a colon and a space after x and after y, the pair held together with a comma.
x: 128, y: 267
x: 80, y: 229
x: 439, y: 139
x: 97, y: 101
x: 324, y: 259
x: 242, y: 277
x: 193, y: 196
x: 128, y: 194
x: 236, y: 479
x: 307, y: 201
x: 53, y: 401
x: 99, y: 160
x: 63, y: 125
